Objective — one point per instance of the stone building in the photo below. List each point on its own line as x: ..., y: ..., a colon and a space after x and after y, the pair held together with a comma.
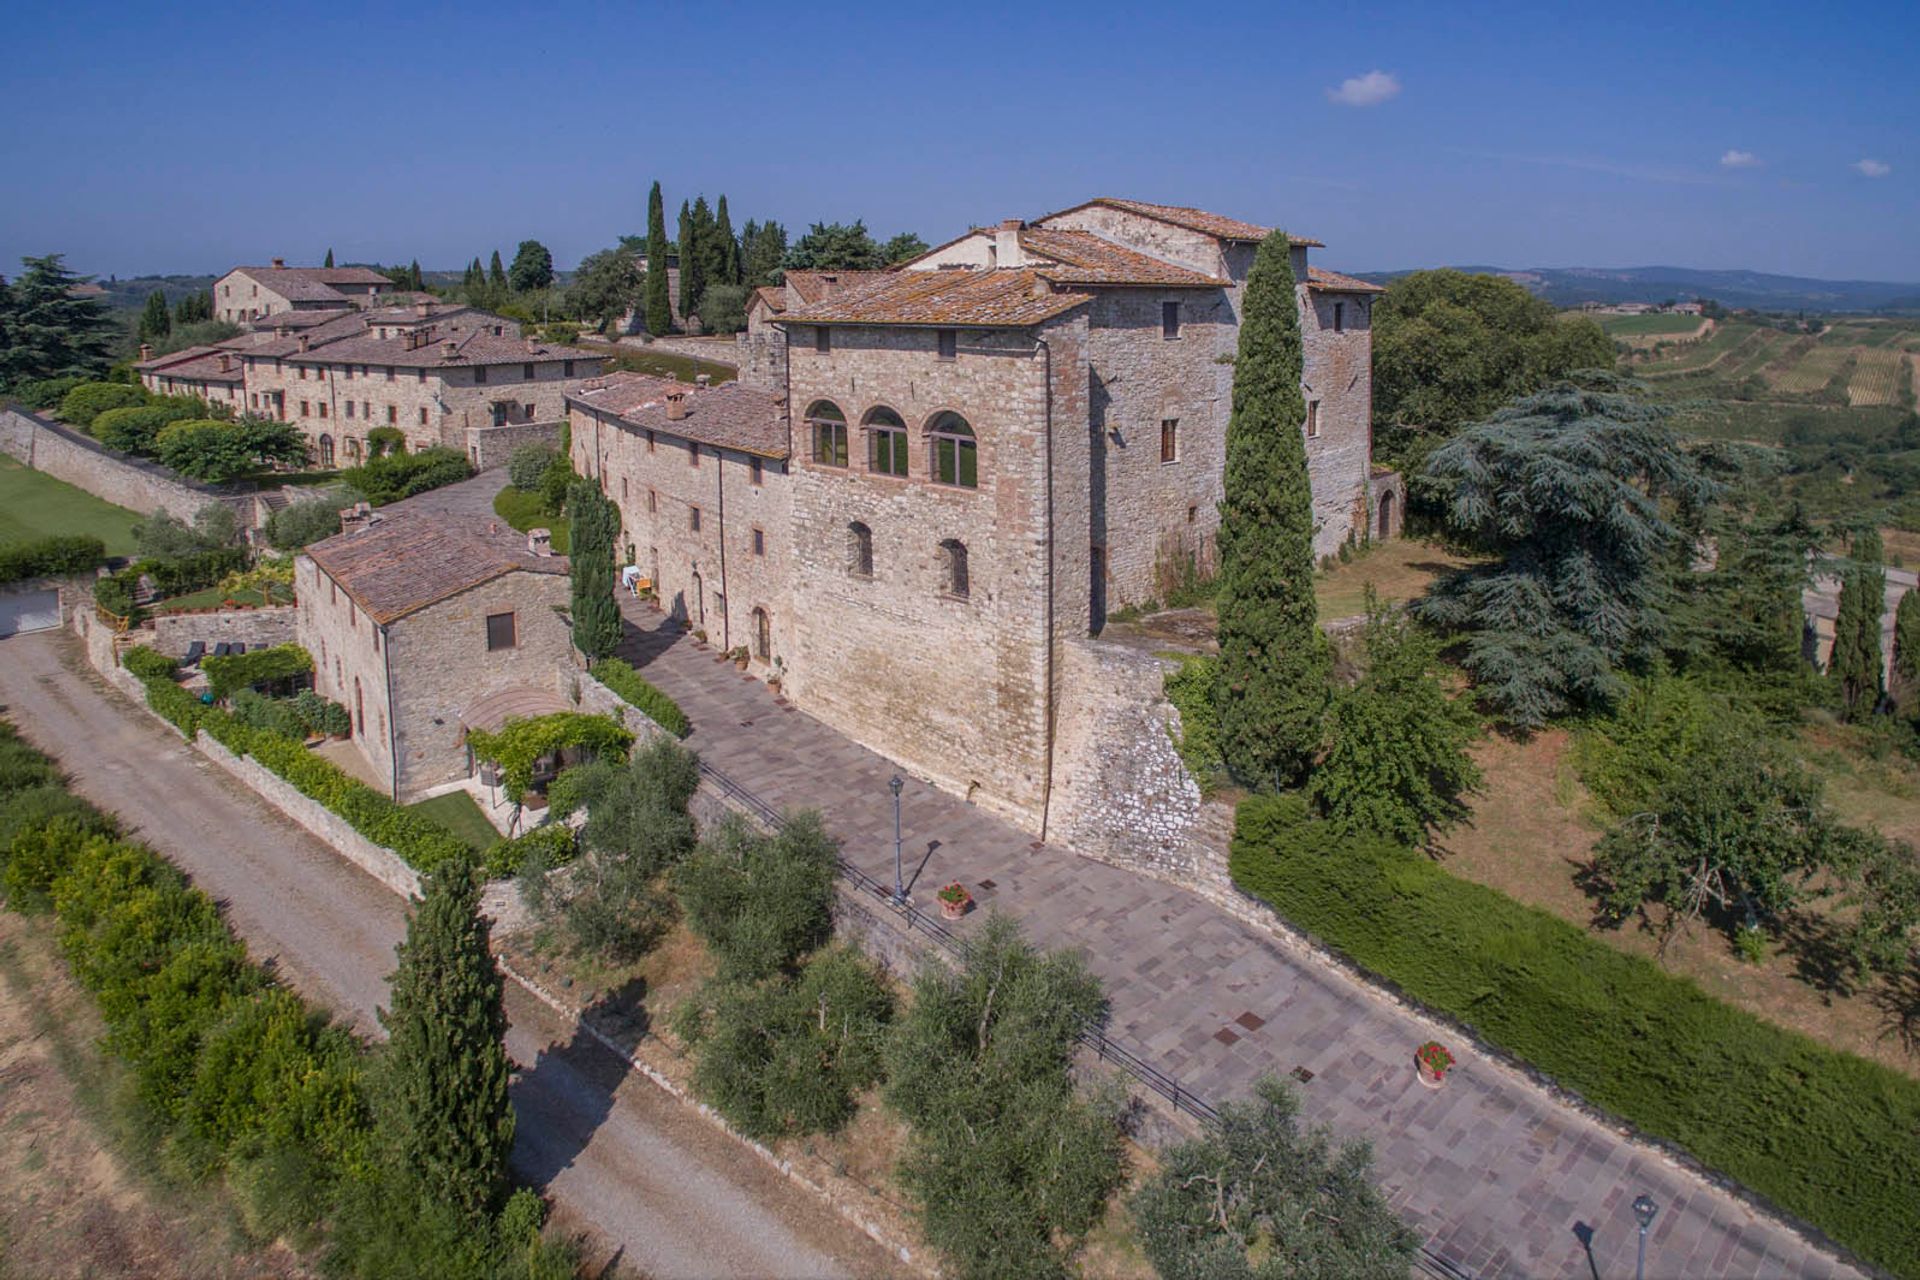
x: 247, y: 294
x: 699, y: 474
x: 212, y: 373
x: 425, y: 623
x: 985, y: 451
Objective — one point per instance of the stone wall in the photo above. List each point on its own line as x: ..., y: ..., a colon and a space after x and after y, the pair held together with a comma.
x: 1338, y: 386
x: 172, y: 633
x: 717, y: 350
x: 489, y: 446
x: 66, y: 454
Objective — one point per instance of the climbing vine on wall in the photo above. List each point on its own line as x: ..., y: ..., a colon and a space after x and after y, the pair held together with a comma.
x: 520, y: 744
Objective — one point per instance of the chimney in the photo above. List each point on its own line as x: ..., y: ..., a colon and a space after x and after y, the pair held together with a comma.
x: 450, y: 348
x: 676, y: 405
x: 279, y: 331
x: 423, y: 309
x: 701, y: 380
x: 540, y: 542
x: 279, y: 263
x: 356, y: 517
x: 1006, y: 243
x: 306, y: 343
x: 146, y: 353
x: 226, y: 363
x: 532, y: 346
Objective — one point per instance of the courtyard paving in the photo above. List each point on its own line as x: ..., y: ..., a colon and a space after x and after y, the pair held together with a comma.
x: 1500, y: 1177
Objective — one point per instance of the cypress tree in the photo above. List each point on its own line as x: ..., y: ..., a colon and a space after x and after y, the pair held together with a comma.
x: 1856, y: 663
x: 329, y: 261
x: 156, y: 321
x: 443, y: 1076
x: 1906, y: 647
x: 1274, y: 662
x: 413, y: 276
x: 729, y: 247
x: 496, y: 274
x: 595, y: 524
x: 689, y: 264
x: 659, y: 305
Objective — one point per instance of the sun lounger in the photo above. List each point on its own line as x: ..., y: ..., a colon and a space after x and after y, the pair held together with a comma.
x: 195, y: 651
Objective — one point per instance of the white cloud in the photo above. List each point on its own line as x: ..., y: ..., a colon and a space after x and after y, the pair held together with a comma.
x: 1734, y: 158
x: 1871, y: 168
x: 1369, y: 90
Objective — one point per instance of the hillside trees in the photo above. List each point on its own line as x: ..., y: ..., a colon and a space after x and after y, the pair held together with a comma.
x: 1274, y: 660
x: 763, y: 248
x: 1906, y: 647
x: 606, y: 286
x: 1565, y: 489
x: 156, y: 321
x: 903, y: 248
x: 835, y: 247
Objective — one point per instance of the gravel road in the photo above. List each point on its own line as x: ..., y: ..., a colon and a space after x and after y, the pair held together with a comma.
x: 624, y: 1159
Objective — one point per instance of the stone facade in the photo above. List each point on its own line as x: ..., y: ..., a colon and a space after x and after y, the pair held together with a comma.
x: 489, y: 446
x: 248, y: 294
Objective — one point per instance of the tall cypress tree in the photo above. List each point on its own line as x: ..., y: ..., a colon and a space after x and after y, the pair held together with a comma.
x: 329, y: 261
x: 729, y: 247
x: 1274, y: 662
x: 595, y: 527
x: 443, y: 1077
x: 156, y: 322
x: 1856, y: 665
x: 413, y: 276
x: 1906, y: 649
x: 496, y: 274
x: 659, y: 305
x: 689, y: 264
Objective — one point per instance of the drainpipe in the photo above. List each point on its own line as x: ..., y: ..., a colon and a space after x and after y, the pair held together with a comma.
x: 1047, y: 776
x: 393, y: 721
x: 720, y: 486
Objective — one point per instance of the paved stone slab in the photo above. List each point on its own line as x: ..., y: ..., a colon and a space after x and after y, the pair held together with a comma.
x: 1491, y: 1169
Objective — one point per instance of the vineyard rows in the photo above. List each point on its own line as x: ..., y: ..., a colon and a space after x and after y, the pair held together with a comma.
x: 1880, y: 377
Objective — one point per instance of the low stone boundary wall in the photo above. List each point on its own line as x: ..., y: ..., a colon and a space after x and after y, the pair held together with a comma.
x: 490, y: 447
x: 257, y: 628
x: 66, y: 454
x: 721, y: 349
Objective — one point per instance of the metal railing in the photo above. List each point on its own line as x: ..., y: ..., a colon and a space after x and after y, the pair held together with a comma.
x: 1094, y: 1037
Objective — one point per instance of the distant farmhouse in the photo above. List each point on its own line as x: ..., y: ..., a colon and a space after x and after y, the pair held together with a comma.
x: 338, y: 353
x: 930, y: 479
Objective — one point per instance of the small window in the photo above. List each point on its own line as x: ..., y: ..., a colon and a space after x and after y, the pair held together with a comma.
x: 822, y: 339
x: 349, y: 408
x: 306, y: 409
x: 566, y: 369
x: 693, y: 455
x: 420, y: 375
x: 526, y: 373
x: 1169, y: 439
x: 528, y: 410
x: 693, y: 519
x: 956, y: 454
x: 326, y: 448
x: 949, y: 340
x: 1169, y: 319
x: 649, y: 442
x: 389, y: 373
x: 623, y: 488
x: 479, y: 373
x: 303, y: 373
x: 756, y: 471
x: 953, y: 568
x: 500, y: 632
x: 1339, y: 316
x: 393, y: 414
x: 1313, y: 419
x: 653, y: 502
x: 423, y: 415
x: 859, y: 550
x: 760, y: 542
x: 323, y: 408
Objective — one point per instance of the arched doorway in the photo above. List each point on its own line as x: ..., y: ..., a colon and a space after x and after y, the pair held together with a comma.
x: 1386, y: 514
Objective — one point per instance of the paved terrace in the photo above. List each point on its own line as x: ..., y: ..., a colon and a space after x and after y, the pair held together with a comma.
x: 1501, y: 1178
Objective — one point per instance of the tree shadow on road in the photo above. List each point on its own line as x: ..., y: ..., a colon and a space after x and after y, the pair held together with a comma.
x: 564, y: 1096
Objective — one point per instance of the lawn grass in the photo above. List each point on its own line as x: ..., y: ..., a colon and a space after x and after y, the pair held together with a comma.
x: 34, y: 505
x: 1398, y: 570
x: 666, y: 364
x: 458, y: 813
x: 214, y: 598
x: 523, y: 510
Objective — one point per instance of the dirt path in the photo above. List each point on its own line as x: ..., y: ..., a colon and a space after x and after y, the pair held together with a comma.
x: 624, y: 1159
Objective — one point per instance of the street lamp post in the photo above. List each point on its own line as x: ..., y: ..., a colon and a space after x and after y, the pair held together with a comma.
x: 894, y: 784
x: 1643, y: 1211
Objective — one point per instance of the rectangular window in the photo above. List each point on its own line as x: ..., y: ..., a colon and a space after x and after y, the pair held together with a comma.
x: 479, y: 374
x: 303, y: 373
x: 822, y: 339
x: 1169, y: 439
x: 306, y: 410
x: 1169, y: 319
x: 693, y: 519
x: 349, y: 408
x: 423, y: 415
x: 830, y: 444
x: 623, y: 488
x: 653, y: 502
x: 393, y: 414
x: 1339, y: 316
x: 649, y: 442
x: 500, y: 633
x: 1313, y: 419
x: 529, y: 411
x: 526, y: 373
x: 693, y: 455
x: 756, y: 471
x: 949, y: 340
x: 323, y: 408
x: 420, y: 376
x: 760, y: 542
x: 567, y: 369
x: 389, y: 373
x: 888, y: 451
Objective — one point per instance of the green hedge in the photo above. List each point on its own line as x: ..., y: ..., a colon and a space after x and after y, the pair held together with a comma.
x: 1827, y: 1136
x: 632, y: 688
x: 244, y: 670
x: 554, y: 843
x: 54, y: 556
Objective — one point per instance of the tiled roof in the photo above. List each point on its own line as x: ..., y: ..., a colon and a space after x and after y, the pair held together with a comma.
x: 472, y: 346
x: 1007, y: 299
x: 811, y: 286
x: 775, y: 299
x: 1211, y: 224
x: 201, y: 364
x: 411, y: 558
x: 1333, y: 282
x: 1085, y: 258
x: 729, y: 416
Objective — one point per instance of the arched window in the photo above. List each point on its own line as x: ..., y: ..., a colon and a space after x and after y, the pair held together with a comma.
x: 953, y: 568
x: 859, y: 550
x: 762, y: 635
x: 955, y: 454
x: 829, y: 433
x: 326, y: 450
x: 886, y: 442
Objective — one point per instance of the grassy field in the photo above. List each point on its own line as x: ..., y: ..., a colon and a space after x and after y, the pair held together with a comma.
x: 33, y: 505
x: 666, y: 364
x: 524, y: 510
x: 1397, y: 571
x: 214, y: 598
x: 1659, y: 324
x: 457, y: 812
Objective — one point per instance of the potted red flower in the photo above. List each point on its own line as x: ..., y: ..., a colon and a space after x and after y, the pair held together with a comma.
x: 954, y: 900
x: 1432, y: 1061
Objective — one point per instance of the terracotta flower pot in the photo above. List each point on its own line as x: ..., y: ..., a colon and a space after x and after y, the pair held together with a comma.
x: 1429, y: 1077
x: 954, y: 910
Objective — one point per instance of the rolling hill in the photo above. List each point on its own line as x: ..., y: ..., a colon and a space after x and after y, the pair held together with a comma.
x: 1571, y: 286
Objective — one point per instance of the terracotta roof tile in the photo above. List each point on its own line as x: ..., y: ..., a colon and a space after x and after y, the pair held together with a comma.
x: 1006, y: 299
x: 729, y: 416
x: 1084, y: 258
x: 774, y: 298
x: 1334, y: 282
x: 811, y: 286
x: 410, y: 558
x: 201, y: 364
x: 1211, y: 224
x: 473, y: 346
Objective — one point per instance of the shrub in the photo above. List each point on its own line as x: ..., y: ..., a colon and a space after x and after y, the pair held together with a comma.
x: 299, y: 523
x: 633, y: 689
x: 555, y: 481
x: 1825, y: 1135
x: 256, y: 666
x: 1192, y: 691
x: 56, y: 555
x: 87, y: 401
x: 550, y: 846
x: 217, y: 451
x: 165, y: 536
x: 149, y: 664
x: 520, y: 743
x: 136, y: 428
x: 393, y: 476
x: 274, y: 715
x: 322, y: 715
x: 382, y: 441
x: 44, y: 393
x: 760, y: 901
x: 528, y: 464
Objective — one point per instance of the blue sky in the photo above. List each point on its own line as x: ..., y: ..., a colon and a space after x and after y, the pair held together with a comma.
x: 1780, y: 137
